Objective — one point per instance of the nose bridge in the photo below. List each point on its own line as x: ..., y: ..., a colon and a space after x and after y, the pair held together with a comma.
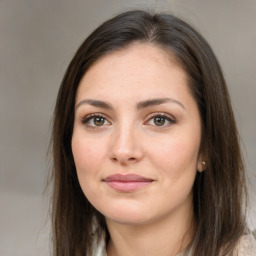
x: 126, y: 145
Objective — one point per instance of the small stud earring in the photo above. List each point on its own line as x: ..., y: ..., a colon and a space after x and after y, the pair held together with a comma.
x: 203, y: 163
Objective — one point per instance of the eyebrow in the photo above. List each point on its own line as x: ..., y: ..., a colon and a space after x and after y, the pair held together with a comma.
x: 156, y: 102
x: 95, y: 103
x: 139, y: 105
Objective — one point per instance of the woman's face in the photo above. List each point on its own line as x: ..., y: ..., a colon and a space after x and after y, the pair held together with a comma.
x: 136, y: 137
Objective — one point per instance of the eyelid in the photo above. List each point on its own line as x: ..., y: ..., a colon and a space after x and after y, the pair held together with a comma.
x: 85, y: 118
x: 168, y: 117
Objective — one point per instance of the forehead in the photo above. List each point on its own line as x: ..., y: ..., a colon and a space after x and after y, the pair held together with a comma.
x: 139, y: 69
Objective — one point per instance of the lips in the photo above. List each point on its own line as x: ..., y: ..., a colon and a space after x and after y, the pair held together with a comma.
x: 127, y: 183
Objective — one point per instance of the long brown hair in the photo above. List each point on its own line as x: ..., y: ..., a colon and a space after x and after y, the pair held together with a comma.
x: 219, y: 191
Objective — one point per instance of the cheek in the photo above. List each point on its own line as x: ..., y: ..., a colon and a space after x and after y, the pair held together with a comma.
x: 88, y: 159
x: 87, y: 154
x: 175, y: 156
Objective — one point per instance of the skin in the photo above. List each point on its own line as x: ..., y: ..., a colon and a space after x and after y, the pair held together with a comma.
x: 155, y: 219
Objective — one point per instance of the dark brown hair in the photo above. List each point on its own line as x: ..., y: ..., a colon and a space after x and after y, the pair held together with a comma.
x: 218, y: 191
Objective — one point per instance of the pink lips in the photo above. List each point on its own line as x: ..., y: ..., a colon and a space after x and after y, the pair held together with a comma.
x: 127, y: 183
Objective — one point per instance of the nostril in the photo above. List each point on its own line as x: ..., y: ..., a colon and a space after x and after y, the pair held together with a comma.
x: 124, y: 160
x: 114, y: 159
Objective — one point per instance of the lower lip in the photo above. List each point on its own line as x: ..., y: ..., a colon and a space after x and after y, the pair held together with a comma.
x: 128, y: 186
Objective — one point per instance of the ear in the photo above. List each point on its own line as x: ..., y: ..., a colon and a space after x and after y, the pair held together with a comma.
x: 201, y: 163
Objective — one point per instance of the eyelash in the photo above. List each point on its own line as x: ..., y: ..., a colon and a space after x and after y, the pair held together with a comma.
x: 85, y: 120
x: 167, y: 117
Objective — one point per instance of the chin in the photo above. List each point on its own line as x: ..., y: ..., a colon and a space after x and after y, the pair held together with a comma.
x: 128, y: 219
x: 127, y: 215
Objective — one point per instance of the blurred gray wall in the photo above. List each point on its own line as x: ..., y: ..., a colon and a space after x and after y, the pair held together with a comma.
x: 38, y: 39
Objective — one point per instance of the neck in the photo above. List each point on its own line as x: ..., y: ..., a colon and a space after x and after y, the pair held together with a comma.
x: 166, y: 237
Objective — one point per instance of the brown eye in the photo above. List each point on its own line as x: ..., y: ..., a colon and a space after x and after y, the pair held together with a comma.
x: 95, y: 120
x: 98, y: 121
x: 159, y: 121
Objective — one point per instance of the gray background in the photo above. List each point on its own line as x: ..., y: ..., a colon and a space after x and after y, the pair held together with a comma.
x: 38, y: 39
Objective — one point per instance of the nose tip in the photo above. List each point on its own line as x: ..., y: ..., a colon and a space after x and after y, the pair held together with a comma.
x: 124, y: 159
x: 126, y: 148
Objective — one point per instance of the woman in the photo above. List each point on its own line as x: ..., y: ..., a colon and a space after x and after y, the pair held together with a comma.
x: 146, y: 151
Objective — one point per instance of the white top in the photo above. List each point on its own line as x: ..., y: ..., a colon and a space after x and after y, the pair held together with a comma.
x: 246, y: 247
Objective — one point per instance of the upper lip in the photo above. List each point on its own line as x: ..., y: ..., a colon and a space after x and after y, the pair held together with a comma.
x: 126, y: 178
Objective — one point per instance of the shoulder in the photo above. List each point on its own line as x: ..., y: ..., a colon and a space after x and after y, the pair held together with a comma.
x: 246, y: 246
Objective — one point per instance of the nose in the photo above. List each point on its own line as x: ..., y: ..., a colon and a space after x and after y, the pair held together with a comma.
x: 126, y: 146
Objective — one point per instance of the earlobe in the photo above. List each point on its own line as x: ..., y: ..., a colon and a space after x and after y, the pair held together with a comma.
x: 201, y: 164
x: 204, y: 165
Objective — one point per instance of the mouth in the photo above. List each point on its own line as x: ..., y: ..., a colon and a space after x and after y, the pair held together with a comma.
x: 127, y: 183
